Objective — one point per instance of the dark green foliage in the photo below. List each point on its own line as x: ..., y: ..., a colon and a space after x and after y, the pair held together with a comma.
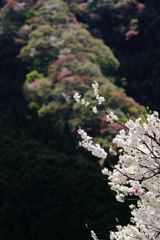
x: 48, y: 190
x: 28, y: 13
x: 141, y: 56
x: 107, y: 68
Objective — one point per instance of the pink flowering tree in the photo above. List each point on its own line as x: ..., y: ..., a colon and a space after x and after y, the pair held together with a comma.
x: 137, y: 173
x: 19, y: 6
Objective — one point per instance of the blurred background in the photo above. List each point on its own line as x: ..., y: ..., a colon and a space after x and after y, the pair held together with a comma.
x: 49, y: 50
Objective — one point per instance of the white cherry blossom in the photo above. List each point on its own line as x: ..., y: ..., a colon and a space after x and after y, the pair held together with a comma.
x: 136, y: 174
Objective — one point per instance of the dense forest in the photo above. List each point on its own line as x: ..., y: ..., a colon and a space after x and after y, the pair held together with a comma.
x: 133, y: 34
x: 50, y: 188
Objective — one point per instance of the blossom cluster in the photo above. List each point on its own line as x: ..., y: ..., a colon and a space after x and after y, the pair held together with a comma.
x: 110, y: 117
x: 77, y: 97
x: 19, y: 6
x: 96, y: 93
x: 88, y: 144
x: 93, y: 235
x: 136, y: 174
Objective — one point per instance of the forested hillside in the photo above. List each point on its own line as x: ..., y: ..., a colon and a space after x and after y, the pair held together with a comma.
x: 47, y: 190
x: 48, y: 51
x: 131, y: 29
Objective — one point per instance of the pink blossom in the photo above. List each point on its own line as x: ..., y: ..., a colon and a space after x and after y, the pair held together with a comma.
x: 19, y: 6
x: 136, y: 191
x: 140, y: 6
x: 79, y: 131
x: 84, y: 5
x: 33, y: 84
x: 131, y: 33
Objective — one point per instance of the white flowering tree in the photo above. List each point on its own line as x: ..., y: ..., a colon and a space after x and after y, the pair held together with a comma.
x: 137, y: 172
